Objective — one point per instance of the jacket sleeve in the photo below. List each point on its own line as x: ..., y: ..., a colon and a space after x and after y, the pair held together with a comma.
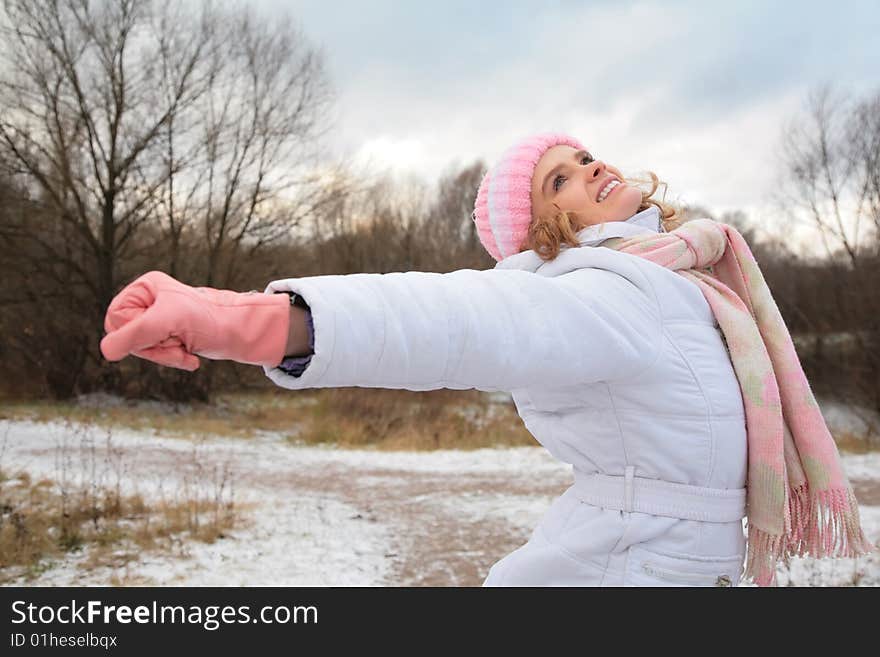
x: 493, y: 330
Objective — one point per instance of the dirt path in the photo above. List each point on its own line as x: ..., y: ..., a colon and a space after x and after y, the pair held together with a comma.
x: 410, y: 519
x: 440, y: 544
x: 445, y: 529
x: 867, y: 491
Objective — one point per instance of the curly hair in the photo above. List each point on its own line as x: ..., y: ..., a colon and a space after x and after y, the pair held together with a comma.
x: 549, y: 234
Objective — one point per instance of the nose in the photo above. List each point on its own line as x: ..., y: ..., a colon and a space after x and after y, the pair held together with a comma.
x: 595, y: 170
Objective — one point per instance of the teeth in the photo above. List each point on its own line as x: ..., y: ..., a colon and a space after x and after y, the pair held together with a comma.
x: 607, y: 189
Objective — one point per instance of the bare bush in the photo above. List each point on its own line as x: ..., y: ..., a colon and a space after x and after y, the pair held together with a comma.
x: 89, y: 504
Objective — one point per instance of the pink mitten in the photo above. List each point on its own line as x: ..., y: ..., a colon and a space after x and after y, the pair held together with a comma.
x: 163, y: 320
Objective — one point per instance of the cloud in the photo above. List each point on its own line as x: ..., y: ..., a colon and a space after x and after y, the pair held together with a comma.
x: 695, y: 92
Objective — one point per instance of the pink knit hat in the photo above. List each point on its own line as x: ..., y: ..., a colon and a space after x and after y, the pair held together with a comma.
x: 503, y: 209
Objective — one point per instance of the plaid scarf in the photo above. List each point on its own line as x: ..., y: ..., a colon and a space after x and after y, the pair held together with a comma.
x: 799, y: 500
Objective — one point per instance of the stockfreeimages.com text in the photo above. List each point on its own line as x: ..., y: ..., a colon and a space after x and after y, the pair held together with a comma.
x: 210, y: 617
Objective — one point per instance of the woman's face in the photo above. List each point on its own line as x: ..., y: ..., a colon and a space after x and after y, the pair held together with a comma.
x: 567, y: 179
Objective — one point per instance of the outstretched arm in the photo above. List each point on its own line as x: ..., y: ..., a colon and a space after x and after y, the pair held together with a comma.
x: 491, y: 330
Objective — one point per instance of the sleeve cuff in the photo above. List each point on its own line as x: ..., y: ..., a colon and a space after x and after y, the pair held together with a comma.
x: 296, y: 365
x: 307, y: 372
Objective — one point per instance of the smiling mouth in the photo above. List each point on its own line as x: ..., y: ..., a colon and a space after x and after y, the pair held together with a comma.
x: 608, y: 189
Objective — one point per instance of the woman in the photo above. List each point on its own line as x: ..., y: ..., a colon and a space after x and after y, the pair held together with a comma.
x: 667, y: 411
x: 617, y: 365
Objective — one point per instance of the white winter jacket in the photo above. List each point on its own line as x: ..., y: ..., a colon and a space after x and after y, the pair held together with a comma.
x: 616, y: 365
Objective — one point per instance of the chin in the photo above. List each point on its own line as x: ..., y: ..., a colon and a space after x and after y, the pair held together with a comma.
x: 626, y: 205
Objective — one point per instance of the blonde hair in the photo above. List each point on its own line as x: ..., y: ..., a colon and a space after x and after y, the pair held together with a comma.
x: 548, y: 234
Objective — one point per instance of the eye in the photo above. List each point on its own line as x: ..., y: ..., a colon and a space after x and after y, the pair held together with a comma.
x: 586, y: 159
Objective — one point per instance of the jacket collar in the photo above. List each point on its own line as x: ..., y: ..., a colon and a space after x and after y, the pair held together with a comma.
x: 646, y: 221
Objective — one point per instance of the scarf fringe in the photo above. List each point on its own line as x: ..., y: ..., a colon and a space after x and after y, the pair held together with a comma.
x: 824, y: 524
x: 764, y: 551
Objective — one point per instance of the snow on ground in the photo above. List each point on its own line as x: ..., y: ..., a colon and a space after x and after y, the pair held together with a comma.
x: 849, y: 418
x: 864, y: 571
x: 324, y: 516
x: 295, y: 545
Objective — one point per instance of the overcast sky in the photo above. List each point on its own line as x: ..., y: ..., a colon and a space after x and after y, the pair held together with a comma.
x: 695, y: 91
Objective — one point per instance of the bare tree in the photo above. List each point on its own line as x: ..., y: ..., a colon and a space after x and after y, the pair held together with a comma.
x: 81, y: 113
x: 450, y: 231
x: 830, y: 161
x: 384, y: 224
x: 143, y: 131
x: 863, y: 138
x: 241, y: 168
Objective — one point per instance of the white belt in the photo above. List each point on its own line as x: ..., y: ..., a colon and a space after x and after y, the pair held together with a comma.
x: 660, y: 498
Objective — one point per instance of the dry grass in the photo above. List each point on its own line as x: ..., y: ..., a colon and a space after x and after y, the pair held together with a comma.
x: 83, y: 509
x: 166, y: 418
x: 857, y: 443
x: 377, y: 418
x: 349, y: 417
x: 407, y: 420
